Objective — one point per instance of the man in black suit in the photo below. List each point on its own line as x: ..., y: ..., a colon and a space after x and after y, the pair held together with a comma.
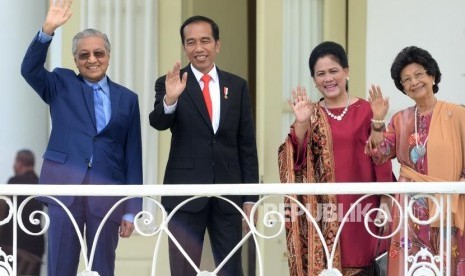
x: 213, y: 142
x: 30, y: 247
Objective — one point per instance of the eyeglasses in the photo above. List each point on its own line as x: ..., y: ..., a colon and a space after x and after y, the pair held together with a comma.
x: 86, y: 55
x: 407, y: 80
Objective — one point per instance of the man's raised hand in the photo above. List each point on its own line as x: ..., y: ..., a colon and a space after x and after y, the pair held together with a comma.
x: 59, y: 12
x: 174, y: 84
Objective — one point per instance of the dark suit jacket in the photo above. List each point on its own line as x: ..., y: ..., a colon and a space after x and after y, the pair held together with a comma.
x: 115, y: 151
x: 32, y: 244
x: 197, y: 154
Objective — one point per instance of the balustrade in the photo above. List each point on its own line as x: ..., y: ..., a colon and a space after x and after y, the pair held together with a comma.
x: 153, y: 221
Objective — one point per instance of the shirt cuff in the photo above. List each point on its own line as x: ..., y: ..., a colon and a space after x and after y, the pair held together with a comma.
x: 43, y: 37
x: 129, y: 217
x: 169, y: 109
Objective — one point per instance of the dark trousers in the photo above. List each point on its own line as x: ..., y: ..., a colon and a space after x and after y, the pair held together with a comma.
x: 225, y: 231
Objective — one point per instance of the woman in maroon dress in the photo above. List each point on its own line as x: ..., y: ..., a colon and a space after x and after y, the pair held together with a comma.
x: 326, y: 144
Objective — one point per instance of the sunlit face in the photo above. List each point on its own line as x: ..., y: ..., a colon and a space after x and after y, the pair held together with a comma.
x: 416, y: 82
x: 200, y: 47
x: 92, y: 58
x: 330, y: 78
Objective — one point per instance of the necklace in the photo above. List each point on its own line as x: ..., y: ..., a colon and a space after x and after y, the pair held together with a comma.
x: 420, y: 148
x: 338, y: 117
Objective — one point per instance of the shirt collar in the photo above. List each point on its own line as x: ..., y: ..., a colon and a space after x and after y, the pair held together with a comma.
x: 198, y: 75
x: 103, y: 83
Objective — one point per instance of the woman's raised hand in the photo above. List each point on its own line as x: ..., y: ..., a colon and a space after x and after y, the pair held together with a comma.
x: 301, y: 105
x: 379, y: 105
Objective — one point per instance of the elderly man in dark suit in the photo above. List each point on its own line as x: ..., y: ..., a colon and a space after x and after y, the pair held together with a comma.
x: 95, y: 139
x: 213, y: 141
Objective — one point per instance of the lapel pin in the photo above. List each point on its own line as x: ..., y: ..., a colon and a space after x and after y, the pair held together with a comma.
x: 225, y: 93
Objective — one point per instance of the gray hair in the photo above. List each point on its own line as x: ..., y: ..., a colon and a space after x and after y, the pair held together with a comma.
x: 90, y: 33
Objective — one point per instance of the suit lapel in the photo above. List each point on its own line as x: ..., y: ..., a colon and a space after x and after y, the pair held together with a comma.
x: 195, y: 94
x: 225, y: 86
x: 115, y: 96
x: 87, y: 94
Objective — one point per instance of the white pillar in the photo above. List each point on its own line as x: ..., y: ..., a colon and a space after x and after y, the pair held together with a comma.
x: 23, y: 115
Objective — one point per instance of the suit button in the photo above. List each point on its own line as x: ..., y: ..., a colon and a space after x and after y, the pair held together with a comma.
x: 213, y: 141
x: 213, y: 163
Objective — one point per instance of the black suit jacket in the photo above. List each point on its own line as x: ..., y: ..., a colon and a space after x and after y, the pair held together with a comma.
x: 30, y: 243
x: 197, y: 154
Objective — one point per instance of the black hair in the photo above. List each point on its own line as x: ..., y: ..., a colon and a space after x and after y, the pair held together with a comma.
x: 328, y: 48
x: 26, y: 157
x: 200, y: 18
x: 413, y: 54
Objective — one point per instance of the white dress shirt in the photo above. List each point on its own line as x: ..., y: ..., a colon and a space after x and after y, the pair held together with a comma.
x: 214, y: 87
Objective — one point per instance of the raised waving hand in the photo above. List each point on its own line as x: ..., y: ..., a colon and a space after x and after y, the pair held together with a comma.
x: 59, y: 12
x: 301, y: 105
x: 379, y: 105
x: 174, y: 84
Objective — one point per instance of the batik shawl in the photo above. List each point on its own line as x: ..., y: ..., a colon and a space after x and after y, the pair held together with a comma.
x: 306, y: 255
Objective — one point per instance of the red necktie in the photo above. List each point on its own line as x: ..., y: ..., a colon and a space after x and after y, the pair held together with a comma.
x: 206, y: 93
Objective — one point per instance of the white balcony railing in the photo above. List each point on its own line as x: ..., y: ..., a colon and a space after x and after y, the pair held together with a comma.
x: 272, y: 217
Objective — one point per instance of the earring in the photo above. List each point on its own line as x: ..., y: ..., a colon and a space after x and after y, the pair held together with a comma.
x: 347, y: 78
x: 434, y: 82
